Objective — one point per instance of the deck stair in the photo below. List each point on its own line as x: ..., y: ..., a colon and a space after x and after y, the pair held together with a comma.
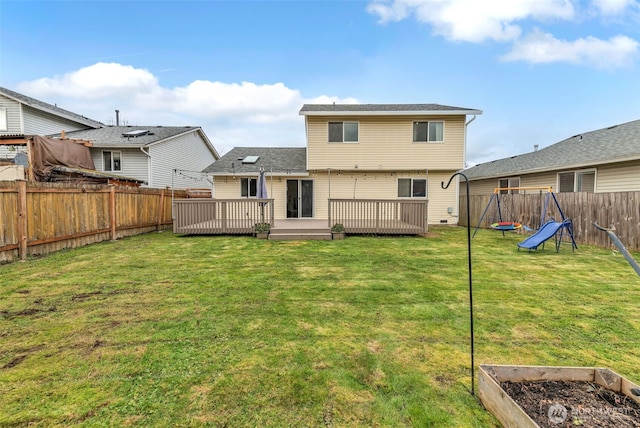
x: 300, y: 230
x: 304, y: 234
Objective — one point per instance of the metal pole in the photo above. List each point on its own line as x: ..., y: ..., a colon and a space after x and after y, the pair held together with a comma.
x: 618, y: 243
x: 470, y: 277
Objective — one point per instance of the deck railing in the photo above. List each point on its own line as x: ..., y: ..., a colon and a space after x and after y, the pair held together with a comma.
x: 220, y: 216
x: 376, y: 216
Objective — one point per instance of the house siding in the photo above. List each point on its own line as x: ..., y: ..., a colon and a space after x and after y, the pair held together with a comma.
x: 386, y: 143
x: 14, y: 116
x: 134, y: 162
x: 623, y: 177
x: 37, y: 122
x: 187, y: 152
x: 353, y: 185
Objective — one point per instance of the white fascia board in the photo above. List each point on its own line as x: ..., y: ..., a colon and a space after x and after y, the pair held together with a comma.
x: 254, y: 174
x: 392, y: 113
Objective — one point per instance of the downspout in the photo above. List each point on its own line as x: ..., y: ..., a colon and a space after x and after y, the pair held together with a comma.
x: 149, y: 166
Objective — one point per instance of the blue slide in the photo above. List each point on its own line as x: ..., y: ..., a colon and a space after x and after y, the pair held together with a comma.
x: 547, y: 231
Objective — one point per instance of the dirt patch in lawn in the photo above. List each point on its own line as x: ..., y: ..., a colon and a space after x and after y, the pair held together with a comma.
x: 573, y: 403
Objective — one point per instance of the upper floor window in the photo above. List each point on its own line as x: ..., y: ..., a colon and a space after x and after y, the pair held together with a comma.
x: 412, y: 188
x: 507, y: 185
x: 343, y: 132
x: 428, y: 132
x: 111, y: 161
x: 248, y: 187
x: 577, y: 181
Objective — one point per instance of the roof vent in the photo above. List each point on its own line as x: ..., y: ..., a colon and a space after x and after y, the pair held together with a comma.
x: 136, y: 133
x: 250, y: 159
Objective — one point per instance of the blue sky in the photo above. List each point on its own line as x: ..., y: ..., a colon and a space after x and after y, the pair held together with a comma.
x: 540, y: 70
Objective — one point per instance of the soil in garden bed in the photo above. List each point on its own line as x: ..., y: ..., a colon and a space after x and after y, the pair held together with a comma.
x: 573, y: 404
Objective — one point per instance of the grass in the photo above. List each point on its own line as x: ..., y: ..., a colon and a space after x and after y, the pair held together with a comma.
x: 233, y: 331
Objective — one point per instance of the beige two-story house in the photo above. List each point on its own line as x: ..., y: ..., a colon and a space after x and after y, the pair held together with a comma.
x: 356, y: 152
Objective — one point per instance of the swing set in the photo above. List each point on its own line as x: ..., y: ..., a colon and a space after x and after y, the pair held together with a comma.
x: 505, y: 212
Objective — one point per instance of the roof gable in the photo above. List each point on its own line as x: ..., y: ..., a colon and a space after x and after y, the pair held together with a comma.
x: 616, y: 143
x: 51, y: 109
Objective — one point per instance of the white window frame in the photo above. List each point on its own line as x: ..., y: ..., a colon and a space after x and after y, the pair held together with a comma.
x: 4, y: 122
x: 343, y: 123
x: 413, y: 180
x: 248, y: 189
x: 112, y: 163
x: 428, y: 139
x: 510, y: 183
x: 576, y: 173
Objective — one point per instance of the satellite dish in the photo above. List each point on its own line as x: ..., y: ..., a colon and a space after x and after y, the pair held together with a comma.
x: 21, y: 159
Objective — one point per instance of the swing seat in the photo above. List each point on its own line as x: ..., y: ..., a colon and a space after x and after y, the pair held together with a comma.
x: 506, y: 225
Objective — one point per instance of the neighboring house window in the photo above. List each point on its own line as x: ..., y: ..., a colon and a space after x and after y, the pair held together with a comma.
x: 343, y: 132
x: 428, y: 132
x: 577, y: 181
x: 505, y: 183
x: 248, y: 187
x: 3, y: 119
x: 412, y: 188
x: 111, y: 161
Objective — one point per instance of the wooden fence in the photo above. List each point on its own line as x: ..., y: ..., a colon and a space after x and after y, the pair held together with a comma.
x: 39, y: 218
x: 378, y: 216
x: 620, y: 209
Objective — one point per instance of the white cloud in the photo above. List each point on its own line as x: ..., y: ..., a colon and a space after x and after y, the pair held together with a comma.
x: 501, y: 20
x: 95, y: 81
x: 614, y: 7
x: 473, y: 20
x: 539, y: 47
x: 232, y: 114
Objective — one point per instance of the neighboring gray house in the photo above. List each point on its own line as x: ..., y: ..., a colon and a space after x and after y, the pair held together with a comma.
x: 152, y: 153
x: 605, y: 160
x: 21, y: 115
x: 148, y: 153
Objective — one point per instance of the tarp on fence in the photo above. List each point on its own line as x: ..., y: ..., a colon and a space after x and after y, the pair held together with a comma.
x: 48, y: 153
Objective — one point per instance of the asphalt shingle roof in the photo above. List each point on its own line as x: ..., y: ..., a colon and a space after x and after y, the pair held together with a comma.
x: 41, y: 105
x: 111, y: 136
x: 616, y: 143
x: 279, y: 160
x: 382, y: 108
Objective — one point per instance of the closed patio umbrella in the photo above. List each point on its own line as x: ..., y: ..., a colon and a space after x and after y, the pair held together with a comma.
x: 261, y: 191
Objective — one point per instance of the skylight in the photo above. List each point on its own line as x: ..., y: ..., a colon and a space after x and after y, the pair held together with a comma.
x: 250, y: 159
x: 136, y: 133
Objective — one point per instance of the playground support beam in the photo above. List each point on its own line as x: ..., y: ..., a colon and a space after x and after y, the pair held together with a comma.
x: 620, y: 245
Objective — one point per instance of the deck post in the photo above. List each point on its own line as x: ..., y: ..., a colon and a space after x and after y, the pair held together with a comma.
x: 224, y: 216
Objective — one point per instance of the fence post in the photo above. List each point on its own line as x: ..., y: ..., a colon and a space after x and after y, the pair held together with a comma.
x: 160, y: 211
x: 112, y: 211
x: 22, y: 225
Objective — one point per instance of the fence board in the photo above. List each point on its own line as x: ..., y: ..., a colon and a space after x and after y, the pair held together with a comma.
x: 620, y: 210
x: 59, y: 216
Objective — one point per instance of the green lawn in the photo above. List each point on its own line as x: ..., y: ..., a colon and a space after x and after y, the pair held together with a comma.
x: 233, y: 331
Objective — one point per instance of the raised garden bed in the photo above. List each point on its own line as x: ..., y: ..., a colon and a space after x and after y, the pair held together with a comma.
x: 545, y: 396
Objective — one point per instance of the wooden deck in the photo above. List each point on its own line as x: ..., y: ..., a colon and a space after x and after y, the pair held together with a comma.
x: 239, y: 217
